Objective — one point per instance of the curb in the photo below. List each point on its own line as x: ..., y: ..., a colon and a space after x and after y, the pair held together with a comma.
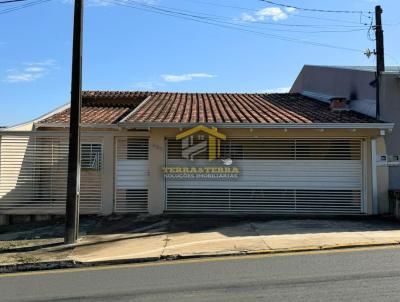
x: 65, y: 264
x: 23, y: 267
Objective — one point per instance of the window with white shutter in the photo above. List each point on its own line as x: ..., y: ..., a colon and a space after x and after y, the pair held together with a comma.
x: 91, y: 156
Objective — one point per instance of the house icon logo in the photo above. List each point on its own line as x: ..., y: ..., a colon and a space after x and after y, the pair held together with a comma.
x: 194, y: 142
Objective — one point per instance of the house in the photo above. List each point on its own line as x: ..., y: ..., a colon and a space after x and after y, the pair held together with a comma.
x: 214, y: 153
x: 357, y: 84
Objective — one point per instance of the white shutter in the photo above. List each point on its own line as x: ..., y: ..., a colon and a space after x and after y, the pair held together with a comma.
x: 33, y: 175
x: 91, y: 174
x: 132, y: 174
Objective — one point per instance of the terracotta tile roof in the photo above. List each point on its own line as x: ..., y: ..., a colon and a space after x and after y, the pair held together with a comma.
x: 114, y: 94
x: 110, y: 107
x: 91, y: 115
x: 102, y: 107
x: 113, y: 98
x: 239, y: 108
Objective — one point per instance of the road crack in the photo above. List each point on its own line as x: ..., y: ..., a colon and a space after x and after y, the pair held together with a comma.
x: 166, y: 240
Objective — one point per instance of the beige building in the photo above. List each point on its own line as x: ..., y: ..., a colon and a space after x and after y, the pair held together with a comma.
x: 253, y: 153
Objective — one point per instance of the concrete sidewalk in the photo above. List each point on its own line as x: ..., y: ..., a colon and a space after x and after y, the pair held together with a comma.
x: 246, y: 237
x: 164, y: 238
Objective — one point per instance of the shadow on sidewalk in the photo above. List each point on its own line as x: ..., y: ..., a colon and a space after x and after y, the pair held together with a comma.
x: 98, y: 230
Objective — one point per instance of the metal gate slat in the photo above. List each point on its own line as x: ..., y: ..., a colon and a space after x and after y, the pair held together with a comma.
x: 277, y: 175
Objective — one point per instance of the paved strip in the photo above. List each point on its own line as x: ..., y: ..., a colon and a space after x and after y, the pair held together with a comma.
x: 198, y: 260
x: 362, y: 275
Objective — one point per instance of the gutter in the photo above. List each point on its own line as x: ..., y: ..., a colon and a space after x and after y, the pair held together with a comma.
x: 65, y: 125
x: 263, y: 126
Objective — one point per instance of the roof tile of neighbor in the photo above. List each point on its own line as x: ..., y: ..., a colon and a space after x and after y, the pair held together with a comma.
x: 110, y: 107
x: 239, y: 108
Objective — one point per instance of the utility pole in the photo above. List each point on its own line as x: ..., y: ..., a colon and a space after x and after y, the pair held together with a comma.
x: 380, y: 55
x: 73, y: 181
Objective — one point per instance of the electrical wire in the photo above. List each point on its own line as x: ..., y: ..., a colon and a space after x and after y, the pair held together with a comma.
x: 317, y: 10
x: 157, y: 10
x: 11, y: 1
x: 329, y: 19
x: 218, y: 18
x: 292, y: 15
x: 359, y: 12
x: 371, y: 27
x: 394, y: 59
x: 25, y: 5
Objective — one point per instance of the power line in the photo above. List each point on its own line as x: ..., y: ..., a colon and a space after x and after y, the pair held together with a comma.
x: 25, y: 5
x: 371, y: 27
x: 297, y: 15
x: 217, y: 18
x: 330, y: 19
x: 157, y: 10
x: 11, y: 1
x: 280, y: 24
x: 317, y: 10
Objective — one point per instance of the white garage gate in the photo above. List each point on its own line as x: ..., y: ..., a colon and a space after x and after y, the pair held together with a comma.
x: 322, y: 176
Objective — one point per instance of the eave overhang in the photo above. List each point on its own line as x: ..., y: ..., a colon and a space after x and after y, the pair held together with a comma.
x: 383, y: 126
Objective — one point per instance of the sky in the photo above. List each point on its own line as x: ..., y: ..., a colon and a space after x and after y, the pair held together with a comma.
x: 206, y: 46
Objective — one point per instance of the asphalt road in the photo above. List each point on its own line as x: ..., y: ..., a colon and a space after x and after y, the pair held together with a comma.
x: 372, y: 275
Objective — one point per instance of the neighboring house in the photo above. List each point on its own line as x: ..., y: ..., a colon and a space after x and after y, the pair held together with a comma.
x: 269, y: 153
x: 356, y: 83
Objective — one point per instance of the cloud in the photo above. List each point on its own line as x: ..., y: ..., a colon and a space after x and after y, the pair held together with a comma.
x: 146, y: 85
x: 29, y: 72
x: 277, y: 90
x: 149, y: 85
x: 102, y: 3
x: 185, y: 77
x: 157, y: 83
x: 290, y: 9
x: 34, y: 69
x: 274, y: 13
x: 22, y: 77
x: 92, y: 2
x: 48, y: 62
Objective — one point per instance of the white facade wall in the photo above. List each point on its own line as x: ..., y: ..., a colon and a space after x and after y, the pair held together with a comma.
x: 157, y: 160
